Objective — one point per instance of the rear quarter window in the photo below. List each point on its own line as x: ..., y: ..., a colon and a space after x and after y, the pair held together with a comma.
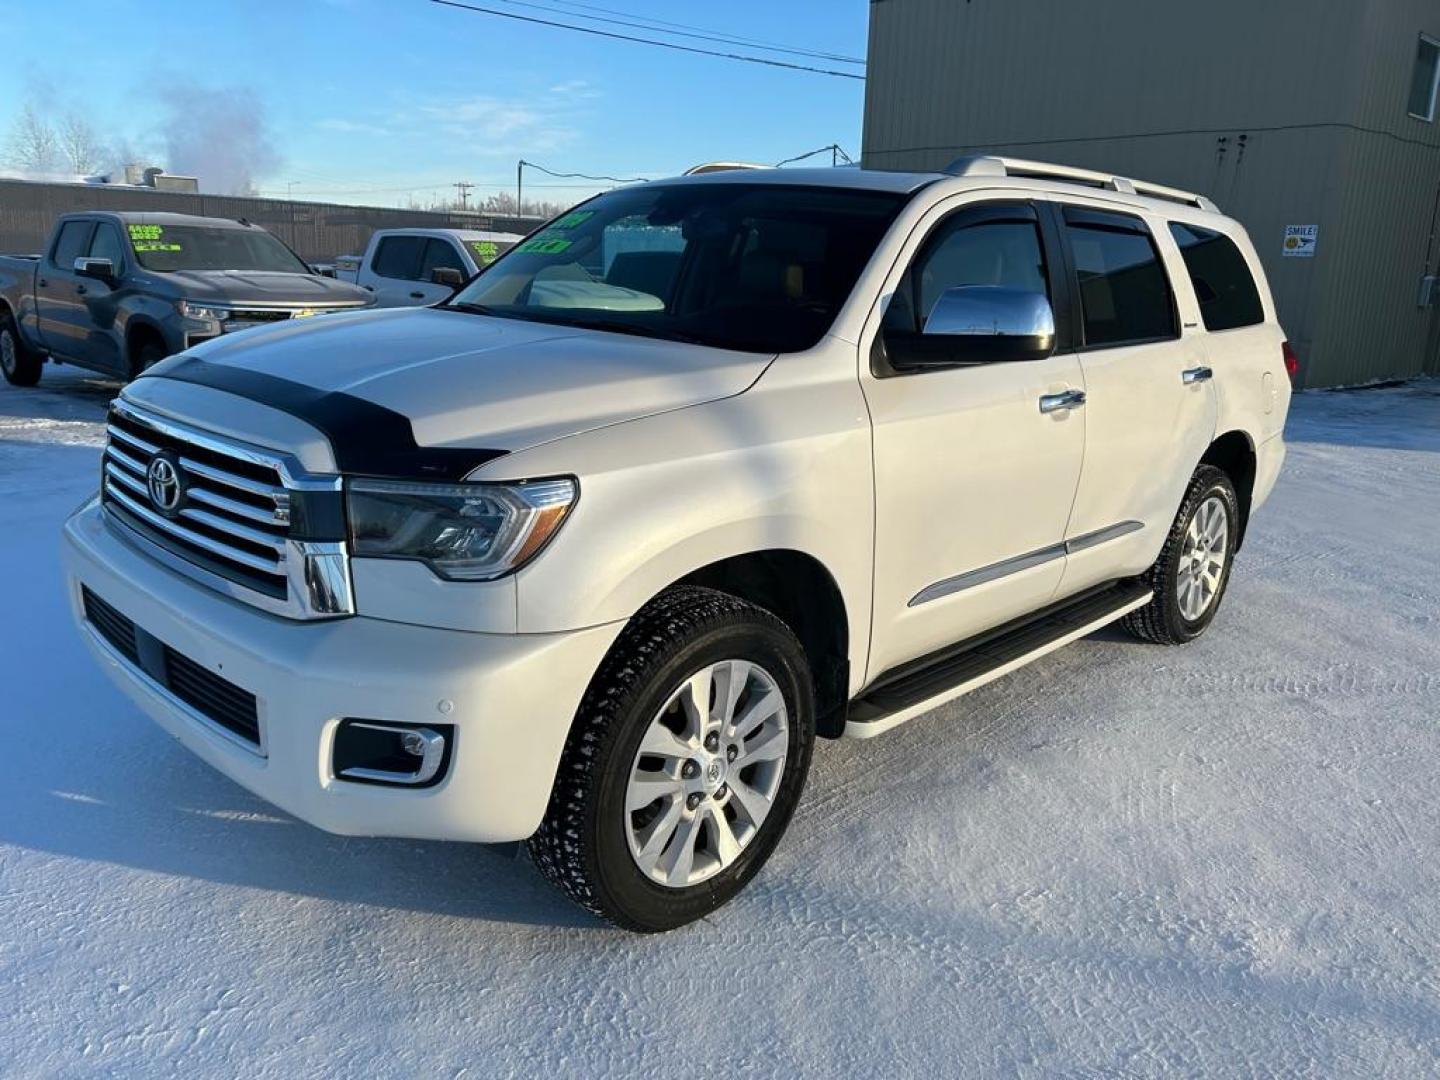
x: 1221, y: 277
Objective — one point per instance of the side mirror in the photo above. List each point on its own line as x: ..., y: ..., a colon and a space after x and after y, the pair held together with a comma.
x: 322, y: 270
x: 447, y: 275
x: 977, y: 324
x: 99, y: 269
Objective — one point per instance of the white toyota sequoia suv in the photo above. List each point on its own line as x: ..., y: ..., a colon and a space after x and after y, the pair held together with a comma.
x: 590, y: 554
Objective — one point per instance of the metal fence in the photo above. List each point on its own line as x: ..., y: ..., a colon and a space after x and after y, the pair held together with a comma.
x: 317, y: 231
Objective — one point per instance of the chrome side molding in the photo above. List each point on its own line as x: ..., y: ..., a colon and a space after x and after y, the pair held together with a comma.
x: 1006, y: 567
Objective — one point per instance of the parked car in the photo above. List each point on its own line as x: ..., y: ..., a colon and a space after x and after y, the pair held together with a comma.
x: 118, y: 292
x: 565, y: 565
x: 410, y: 267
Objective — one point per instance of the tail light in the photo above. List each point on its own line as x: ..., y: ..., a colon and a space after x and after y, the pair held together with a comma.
x: 1292, y: 362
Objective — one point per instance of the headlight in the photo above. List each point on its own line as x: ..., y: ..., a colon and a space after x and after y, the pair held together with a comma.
x: 466, y: 532
x: 201, y: 311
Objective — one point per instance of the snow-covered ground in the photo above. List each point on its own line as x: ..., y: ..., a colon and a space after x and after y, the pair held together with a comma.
x: 1121, y: 861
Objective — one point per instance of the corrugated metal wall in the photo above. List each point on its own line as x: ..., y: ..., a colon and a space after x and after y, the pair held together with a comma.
x: 1289, y: 112
x: 317, y: 231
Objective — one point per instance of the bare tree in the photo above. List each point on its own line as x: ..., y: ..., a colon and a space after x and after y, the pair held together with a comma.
x: 32, y: 143
x: 82, y: 150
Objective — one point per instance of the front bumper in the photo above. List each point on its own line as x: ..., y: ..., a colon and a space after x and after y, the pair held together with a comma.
x: 511, y: 697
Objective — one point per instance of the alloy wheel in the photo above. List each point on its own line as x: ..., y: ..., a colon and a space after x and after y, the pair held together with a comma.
x: 1202, y: 558
x: 707, y: 773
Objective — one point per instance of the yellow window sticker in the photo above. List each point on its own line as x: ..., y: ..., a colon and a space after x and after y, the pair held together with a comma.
x: 485, y: 250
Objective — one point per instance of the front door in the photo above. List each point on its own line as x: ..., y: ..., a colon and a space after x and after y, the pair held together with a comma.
x: 973, y: 482
x: 1150, y: 408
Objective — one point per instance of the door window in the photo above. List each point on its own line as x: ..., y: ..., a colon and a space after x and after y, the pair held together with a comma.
x: 1003, y: 248
x: 1223, y: 285
x: 107, y: 245
x: 70, y: 245
x: 1125, y: 297
x: 441, y: 254
x: 399, y: 257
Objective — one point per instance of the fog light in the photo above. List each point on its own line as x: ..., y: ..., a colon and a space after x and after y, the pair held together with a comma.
x: 400, y: 755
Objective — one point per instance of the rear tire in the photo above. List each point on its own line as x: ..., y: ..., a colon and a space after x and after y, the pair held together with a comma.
x: 1190, y: 576
x: 20, y: 365
x: 723, y: 797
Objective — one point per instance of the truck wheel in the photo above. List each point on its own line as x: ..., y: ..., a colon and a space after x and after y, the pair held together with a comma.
x: 20, y: 366
x: 147, y: 356
x: 684, y: 764
x: 1190, y: 576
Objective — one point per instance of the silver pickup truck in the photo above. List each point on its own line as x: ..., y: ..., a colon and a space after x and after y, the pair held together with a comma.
x: 117, y: 292
x: 412, y: 267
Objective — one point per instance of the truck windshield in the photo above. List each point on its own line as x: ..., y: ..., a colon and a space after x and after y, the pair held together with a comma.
x: 754, y: 267
x: 168, y: 249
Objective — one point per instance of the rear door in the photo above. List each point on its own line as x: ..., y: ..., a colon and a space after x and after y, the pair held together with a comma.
x: 1150, y: 402
x: 62, y: 318
x: 394, y: 269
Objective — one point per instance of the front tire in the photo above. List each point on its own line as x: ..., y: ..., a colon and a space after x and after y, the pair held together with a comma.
x: 19, y: 364
x: 1190, y: 576
x: 146, y: 356
x: 684, y: 764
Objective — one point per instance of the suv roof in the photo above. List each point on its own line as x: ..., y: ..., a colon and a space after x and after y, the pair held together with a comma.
x: 1043, y: 175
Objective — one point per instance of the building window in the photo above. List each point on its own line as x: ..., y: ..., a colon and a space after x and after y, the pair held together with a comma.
x: 1427, y: 74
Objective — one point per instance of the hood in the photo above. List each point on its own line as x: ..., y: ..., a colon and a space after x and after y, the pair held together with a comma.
x: 264, y: 287
x: 466, y: 380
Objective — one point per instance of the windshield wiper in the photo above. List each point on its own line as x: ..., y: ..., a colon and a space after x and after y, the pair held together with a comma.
x: 475, y: 309
x: 616, y: 326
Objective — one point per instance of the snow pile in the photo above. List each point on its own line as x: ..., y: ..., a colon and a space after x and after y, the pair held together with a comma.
x: 1123, y: 860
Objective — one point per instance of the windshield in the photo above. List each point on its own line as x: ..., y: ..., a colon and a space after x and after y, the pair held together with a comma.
x: 167, y: 249
x: 756, y: 267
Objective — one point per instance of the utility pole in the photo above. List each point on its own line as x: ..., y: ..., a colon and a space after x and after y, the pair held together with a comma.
x: 463, y: 187
x: 520, y: 187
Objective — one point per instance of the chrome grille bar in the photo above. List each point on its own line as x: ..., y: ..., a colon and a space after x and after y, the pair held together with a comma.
x: 231, y: 529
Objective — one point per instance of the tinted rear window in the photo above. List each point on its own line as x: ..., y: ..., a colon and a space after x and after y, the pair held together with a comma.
x: 1124, y: 293
x: 399, y: 257
x: 1223, y: 285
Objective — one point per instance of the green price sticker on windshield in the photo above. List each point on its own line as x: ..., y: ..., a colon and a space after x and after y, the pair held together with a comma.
x: 150, y: 245
x: 546, y: 245
x: 146, y: 232
x: 569, y: 221
x: 485, y: 250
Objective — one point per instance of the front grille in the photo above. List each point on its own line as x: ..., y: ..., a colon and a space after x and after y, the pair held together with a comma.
x: 217, y: 699
x: 234, y: 515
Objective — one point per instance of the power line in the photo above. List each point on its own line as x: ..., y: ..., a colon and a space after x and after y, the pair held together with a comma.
x: 690, y: 26
x: 463, y: 186
x: 522, y: 164
x: 834, y: 150
x: 647, y: 41
x: 694, y: 32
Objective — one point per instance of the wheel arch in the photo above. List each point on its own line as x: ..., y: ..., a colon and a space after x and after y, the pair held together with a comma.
x: 800, y: 591
x: 139, y: 330
x: 1233, y: 453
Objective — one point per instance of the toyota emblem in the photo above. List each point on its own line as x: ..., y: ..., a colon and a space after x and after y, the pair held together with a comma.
x: 163, y: 481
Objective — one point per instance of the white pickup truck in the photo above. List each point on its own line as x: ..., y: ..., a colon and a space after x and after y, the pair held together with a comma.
x: 414, y: 267
x: 593, y: 551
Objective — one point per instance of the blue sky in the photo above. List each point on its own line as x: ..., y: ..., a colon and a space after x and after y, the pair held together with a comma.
x: 380, y: 101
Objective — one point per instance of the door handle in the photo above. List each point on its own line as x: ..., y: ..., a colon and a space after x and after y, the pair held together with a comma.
x: 80, y: 289
x: 1066, y: 399
x: 1196, y: 375
x: 417, y: 296
x: 42, y: 283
